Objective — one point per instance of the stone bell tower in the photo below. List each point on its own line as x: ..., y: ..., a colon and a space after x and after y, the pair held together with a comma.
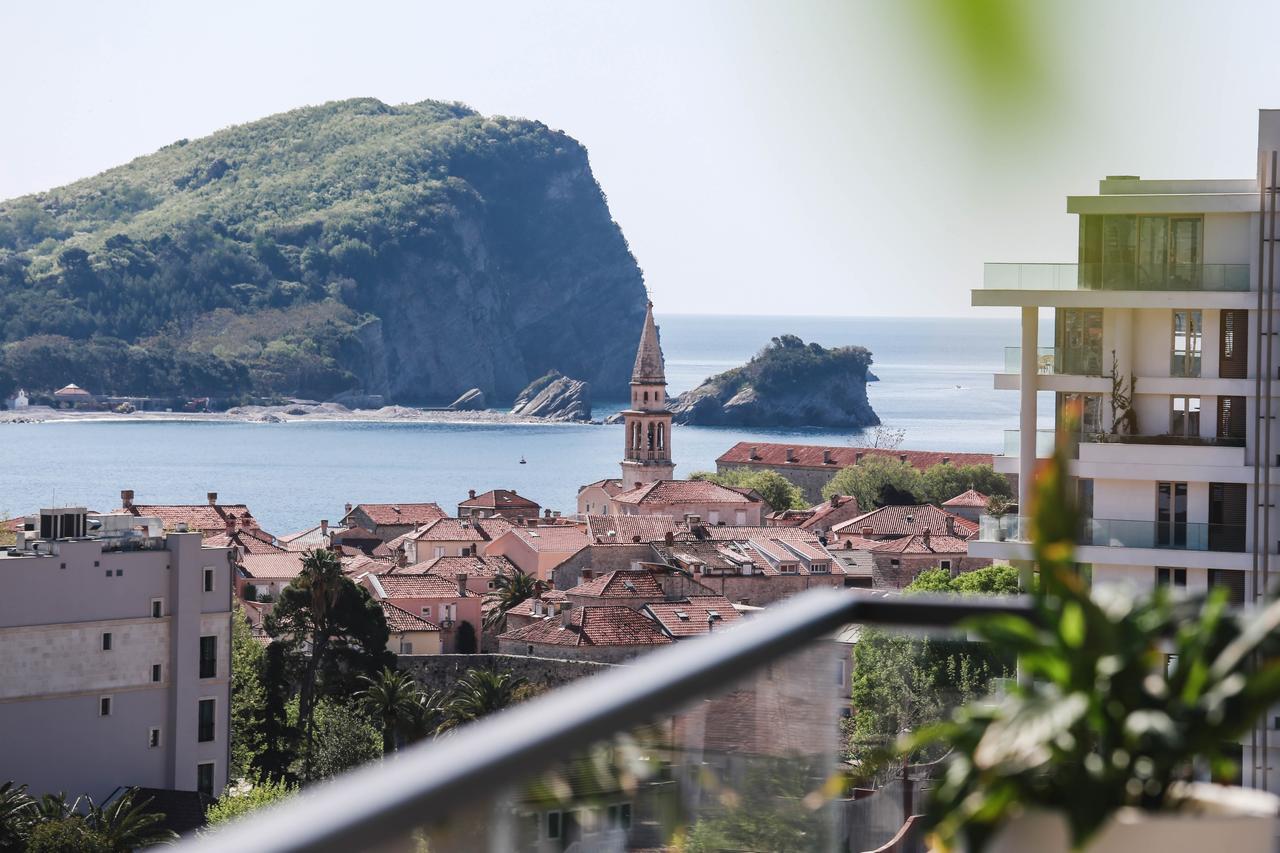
x: 647, y: 456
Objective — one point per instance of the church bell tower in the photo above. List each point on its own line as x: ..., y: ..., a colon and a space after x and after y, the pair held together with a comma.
x: 647, y: 456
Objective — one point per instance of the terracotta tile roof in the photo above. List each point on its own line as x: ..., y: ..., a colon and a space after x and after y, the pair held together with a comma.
x: 628, y: 583
x: 689, y: 618
x: 407, y: 513
x: 305, y: 540
x: 549, y: 596
x: 830, y: 512
x: 856, y: 563
x: 286, y: 564
x: 361, y: 563
x: 725, y: 533
x: 399, y: 619
x: 475, y: 567
x: 249, y: 540
x: 613, y: 529
x: 611, y: 485
x: 905, y: 520
x: 811, y: 456
x: 681, y: 492
x: 460, y: 530
x: 414, y: 586
x: 593, y: 626
x: 554, y: 537
x: 915, y: 544
x: 719, y: 556
x: 498, y: 499
x: 209, y: 519
x: 970, y: 497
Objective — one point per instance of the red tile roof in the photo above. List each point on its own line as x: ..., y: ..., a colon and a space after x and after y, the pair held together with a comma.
x: 614, y: 529
x: 549, y: 596
x: 611, y: 485
x: 810, y: 456
x: 593, y: 626
x: 498, y: 499
x: 683, y: 492
x: 307, y: 539
x: 474, y: 567
x: 415, y: 514
x: 623, y: 583
x: 905, y: 520
x: 689, y: 618
x: 209, y: 519
x: 554, y: 537
x: 279, y: 566
x: 916, y: 544
x: 970, y: 497
x: 414, y: 586
x: 459, y: 530
x: 399, y: 619
x: 829, y: 512
x: 249, y: 540
x: 725, y: 533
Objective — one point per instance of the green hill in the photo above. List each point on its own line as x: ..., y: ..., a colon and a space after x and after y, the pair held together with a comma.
x: 413, y: 251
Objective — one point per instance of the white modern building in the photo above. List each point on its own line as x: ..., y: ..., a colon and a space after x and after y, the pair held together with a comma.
x: 1174, y: 288
x: 115, y: 656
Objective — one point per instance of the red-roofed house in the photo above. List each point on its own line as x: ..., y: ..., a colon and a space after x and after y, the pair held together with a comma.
x: 629, y: 588
x: 711, y: 502
x: 608, y: 634
x: 597, y: 498
x: 692, y: 616
x: 444, y: 602
x: 450, y: 537
x: 498, y: 503
x: 481, y: 571
x: 267, y: 573
x: 812, y: 466
x: 892, y: 521
x: 539, y: 549
x: 897, y: 562
x: 821, y: 518
x: 209, y: 519
x: 968, y: 504
x: 617, y: 529
x: 410, y: 633
x: 391, y: 520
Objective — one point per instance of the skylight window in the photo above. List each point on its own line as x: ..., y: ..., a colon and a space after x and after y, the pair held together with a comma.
x: 680, y: 614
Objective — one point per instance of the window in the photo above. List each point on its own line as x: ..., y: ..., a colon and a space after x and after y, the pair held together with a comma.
x: 1184, y: 418
x: 204, y: 778
x: 1171, y: 515
x: 437, y: 551
x: 1090, y: 411
x: 895, y: 562
x: 1078, y: 342
x: 740, y: 517
x: 1127, y: 252
x: 106, y: 641
x: 406, y: 648
x: 944, y: 564
x: 1187, y: 344
x: 153, y: 738
x: 713, y: 517
x: 208, y: 580
x: 205, y: 730
x: 426, y: 612
x: 820, y: 568
x: 156, y: 672
x: 104, y: 706
x: 1231, y: 417
x: 1231, y: 580
x: 1233, y: 349
x: 208, y: 657
x: 553, y: 824
x: 1171, y: 577
x: 157, y: 608
x: 620, y: 816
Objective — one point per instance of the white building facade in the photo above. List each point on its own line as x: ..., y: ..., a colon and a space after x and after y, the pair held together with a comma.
x: 1162, y: 339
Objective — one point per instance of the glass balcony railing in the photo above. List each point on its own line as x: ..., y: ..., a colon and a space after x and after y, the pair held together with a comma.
x: 1183, y: 365
x: 1044, y: 443
x: 1172, y: 440
x: 1056, y: 360
x: 1203, y: 277
x: 1124, y: 533
x: 732, y: 740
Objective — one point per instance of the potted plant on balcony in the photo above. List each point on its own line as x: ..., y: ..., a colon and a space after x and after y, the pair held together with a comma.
x: 1124, y: 703
x: 998, y: 507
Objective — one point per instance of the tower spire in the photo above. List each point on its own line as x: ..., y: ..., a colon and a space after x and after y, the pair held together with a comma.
x: 649, y: 368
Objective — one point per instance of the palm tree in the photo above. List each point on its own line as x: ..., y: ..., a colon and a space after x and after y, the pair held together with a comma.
x: 392, y: 697
x: 509, y: 590
x: 427, y: 716
x: 478, y: 693
x: 18, y: 813
x: 127, y: 824
x: 321, y: 576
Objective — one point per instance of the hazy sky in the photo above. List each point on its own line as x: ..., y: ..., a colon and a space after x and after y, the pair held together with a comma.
x: 762, y: 158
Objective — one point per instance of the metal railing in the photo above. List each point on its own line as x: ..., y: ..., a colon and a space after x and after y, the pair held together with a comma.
x: 1177, y: 277
x: 434, y: 781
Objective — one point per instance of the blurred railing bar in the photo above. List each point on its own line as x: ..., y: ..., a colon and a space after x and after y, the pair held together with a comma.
x: 434, y: 780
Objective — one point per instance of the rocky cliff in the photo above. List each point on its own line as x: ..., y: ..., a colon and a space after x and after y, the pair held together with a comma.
x: 556, y: 398
x: 788, y: 384
x: 412, y: 251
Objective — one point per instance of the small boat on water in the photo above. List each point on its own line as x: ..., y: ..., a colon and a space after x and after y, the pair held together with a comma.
x: 522, y: 462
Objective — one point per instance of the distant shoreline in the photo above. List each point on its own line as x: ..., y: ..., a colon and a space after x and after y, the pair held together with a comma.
x: 305, y: 413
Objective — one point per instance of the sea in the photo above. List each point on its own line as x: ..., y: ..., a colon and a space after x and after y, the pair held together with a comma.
x: 935, y: 387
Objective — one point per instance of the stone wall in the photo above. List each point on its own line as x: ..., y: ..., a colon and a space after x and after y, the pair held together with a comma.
x: 760, y: 590
x: 439, y: 672
x: 885, y: 575
x: 601, y: 559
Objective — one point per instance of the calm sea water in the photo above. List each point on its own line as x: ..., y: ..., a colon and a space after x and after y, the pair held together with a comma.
x: 935, y: 385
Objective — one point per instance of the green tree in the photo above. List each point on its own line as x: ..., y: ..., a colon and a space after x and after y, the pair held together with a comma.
x: 767, y: 810
x: 942, y: 482
x: 18, y: 814
x: 276, y: 737
x: 878, y: 481
x: 237, y: 802
x: 345, y: 738
x: 779, y: 492
x: 479, y: 693
x: 127, y: 823
x: 392, y: 698
x: 997, y: 579
x: 510, y: 589
x: 70, y: 834
x: 465, y: 642
x: 247, y: 694
x: 931, y: 580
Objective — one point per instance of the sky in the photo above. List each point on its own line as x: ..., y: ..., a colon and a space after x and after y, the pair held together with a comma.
x: 854, y: 157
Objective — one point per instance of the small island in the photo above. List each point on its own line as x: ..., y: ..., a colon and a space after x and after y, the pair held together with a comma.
x: 787, y: 384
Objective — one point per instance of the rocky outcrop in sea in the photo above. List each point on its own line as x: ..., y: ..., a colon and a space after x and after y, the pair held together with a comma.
x: 555, y: 398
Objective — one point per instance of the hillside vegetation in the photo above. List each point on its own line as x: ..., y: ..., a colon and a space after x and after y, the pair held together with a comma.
x: 414, y: 251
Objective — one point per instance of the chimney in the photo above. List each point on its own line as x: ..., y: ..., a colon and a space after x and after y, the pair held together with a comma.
x: 639, y: 484
x: 532, y: 521
x: 213, y: 498
x: 546, y: 513
x: 835, y: 501
x: 471, y: 494
x: 588, y: 574
x: 566, y: 613
x: 755, y: 453
x: 791, y: 454
x: 857, y: 457
x: 711, y: 623
x: 951, y: 525
x: 462, y: 583
x: 826, y: 457
x: 231, y: 523
x: 868, y: 531
x: 402, y: 558
x: 924, y: 535
x: 670, y: 539
x: 324, y: 527
x: 126, y: 498
x: 347, y: 509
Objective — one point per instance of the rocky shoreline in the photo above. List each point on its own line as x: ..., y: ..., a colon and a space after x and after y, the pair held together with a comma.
x: 306, y: 412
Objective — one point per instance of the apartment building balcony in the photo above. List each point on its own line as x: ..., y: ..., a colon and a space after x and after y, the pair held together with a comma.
x: 1087, y: 285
